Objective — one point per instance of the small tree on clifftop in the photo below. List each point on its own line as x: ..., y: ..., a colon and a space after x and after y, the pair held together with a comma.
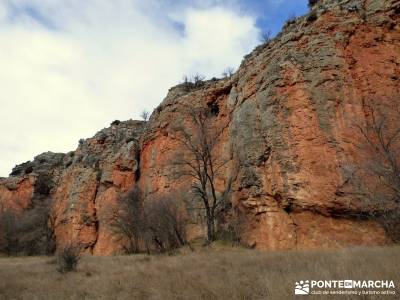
x: 145, y: 115
x: 311, y: 3
x: 228, y: 72
x: 266, y: 36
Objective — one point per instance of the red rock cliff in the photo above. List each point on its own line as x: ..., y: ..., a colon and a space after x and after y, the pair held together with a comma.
x: 288, y: 116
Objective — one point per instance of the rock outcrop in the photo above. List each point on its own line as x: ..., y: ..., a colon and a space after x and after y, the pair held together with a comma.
x: 84, y: 185
x: 288, y: 119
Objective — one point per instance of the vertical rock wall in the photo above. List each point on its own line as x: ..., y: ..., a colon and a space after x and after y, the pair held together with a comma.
x: 288, y: 119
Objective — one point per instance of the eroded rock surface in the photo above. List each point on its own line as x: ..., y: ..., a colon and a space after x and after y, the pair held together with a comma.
x: 288, y: 118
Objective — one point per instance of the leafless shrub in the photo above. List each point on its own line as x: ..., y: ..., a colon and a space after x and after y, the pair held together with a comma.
x: 30, y: 232
x: 193, y: 82
x: 228, y: 72
x: 127, y: 219
x: 36, y: 229
x: 8, y: 236
x: 377, y: 182
x: 266, y: 36
x: 198, y: 79
x: 165, y: 224
x: 151, y: 225
x: 145, y: 115
x: 68, y: 259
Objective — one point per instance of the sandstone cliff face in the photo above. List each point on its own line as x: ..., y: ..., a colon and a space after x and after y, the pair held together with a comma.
x: 288, y: 118
x: 84, y: 185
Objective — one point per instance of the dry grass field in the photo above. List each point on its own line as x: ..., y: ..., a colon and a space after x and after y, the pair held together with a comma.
x: 218, y: 273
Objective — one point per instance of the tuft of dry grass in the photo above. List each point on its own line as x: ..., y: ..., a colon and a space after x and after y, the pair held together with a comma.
x: 214, y: 273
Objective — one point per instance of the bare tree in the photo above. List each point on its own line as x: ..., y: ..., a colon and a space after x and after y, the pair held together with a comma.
x: 201, y: 163
x: 157, y: 224
x: 145, y: 115
x: 377, y: 182
x: 30, y: 232
x: 228, y: 72
x: 127, y: 219
x: 193, y: 82
x: 266, y: 36
x: 198, y: 79
x: 165, y: 222
x: 37, y: 228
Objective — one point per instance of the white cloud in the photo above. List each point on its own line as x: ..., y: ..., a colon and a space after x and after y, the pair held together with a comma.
x: 217, y: 34
x: 3, y: 13
x: 69, y: 68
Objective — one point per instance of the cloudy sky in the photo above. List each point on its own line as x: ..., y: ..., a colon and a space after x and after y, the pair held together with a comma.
x: 70, y: 67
